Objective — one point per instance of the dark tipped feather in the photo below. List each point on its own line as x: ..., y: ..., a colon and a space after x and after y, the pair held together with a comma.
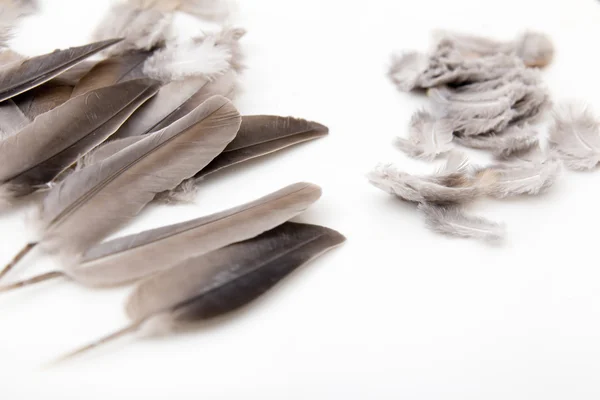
x: 22, y: 76
x: 54, y: 141
x: 259, y: 135
x: 223, y: 280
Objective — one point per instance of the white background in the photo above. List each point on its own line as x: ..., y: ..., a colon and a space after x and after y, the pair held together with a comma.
x: 397, y: 312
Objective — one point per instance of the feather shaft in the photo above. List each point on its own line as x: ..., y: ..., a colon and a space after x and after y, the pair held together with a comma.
x: 18, y: 257
x: 32, y: 281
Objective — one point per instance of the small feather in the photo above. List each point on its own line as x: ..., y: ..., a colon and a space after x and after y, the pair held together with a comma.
x: 428, y: 137
x: 524, y: 178
x: 451, y: 220
x: 515, y: 139
x: 575, y: 136
x: 444, y: 187
x: 478, y: 126
x: 406, y: 70
x: 22, y: 76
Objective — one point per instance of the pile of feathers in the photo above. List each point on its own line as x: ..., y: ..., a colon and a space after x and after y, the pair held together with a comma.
x: 94, y: 140
x: 486, y: 95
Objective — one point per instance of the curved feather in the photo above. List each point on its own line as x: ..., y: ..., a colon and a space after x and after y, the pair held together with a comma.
x: 113, y: 70
x: 93, y: 202
x: 55, y: 140
x: 126, y: 259
x: 226, y: 279
x: 174, y: 101
x: 22, y: 76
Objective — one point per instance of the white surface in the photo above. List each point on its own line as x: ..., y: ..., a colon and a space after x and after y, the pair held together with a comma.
x: 397, y: 312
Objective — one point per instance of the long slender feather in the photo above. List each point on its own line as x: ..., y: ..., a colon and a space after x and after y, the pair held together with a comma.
x: 55, y: 140
x: 222, y: 281
x: 22, y: 76
x: 43, y: 98
x: 93, y: 202
x: 452, y: 220
x: 575, y: 136
x: 428, y: 137
x: 259, y: 135
x: 12, y: 119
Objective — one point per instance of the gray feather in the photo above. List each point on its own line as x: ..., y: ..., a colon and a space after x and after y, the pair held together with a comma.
x: 575, y: 136
x: 22, y: 76
x: 444, y: 187
x: 529, y: 178
x: 226, y: 279
x: 55, y: 140
x: 406, y: 70
x: 43, y: 98
x: 125, y: 259
x: 94, y: 201
x: 113, y: 70
x: 11, y: 11
x: 221, y: 281
x: 452, y: 220
x: 515, y: 139
x: 12, y: 119
x: 428, y: 137
x: 259, y: 135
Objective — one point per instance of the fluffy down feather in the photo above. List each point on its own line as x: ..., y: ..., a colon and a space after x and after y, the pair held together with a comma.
x: 428, y: 137
x: 10, y: 13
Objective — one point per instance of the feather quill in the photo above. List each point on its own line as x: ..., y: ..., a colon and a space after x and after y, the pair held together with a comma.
x: 21, y: 76
x: 95, y: 201
x: 575, y: 136
x: 53, y: 142
x: 125, y: 259
x: 428, y: 137
x: 222, y: 281
x: 452, y: 220
x: 259, y: 135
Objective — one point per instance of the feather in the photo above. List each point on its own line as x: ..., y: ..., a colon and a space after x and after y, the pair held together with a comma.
x: 222, y: 281
x: 407, y: 69
x: 95, y: 201
x: 43, y: 98
x: 21, y: 76
x: 174, y: 101
x: 125, y: 259
x: 12, y: 119
x: 209, y: 57
x: 515, y: 139
x: 54, y: 141
x: 113, y: 70
x: 428, y: 137
x: 514, y: 91
x: 258, y: 135
x: 466, y: 110
x: 534, y: 48
x: 10, y: 13
x: 575, y: 136
x: 451, y: 220
x: 450, y: 185
x: 531, y: 178
x: 478, y: 126
x: 146, y: 24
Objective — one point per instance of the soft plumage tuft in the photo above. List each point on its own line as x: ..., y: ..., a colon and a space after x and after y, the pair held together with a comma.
x: 428, y: 137
x: 575, y: 136
x: 10, y: 13
x: 452, y: 221
x: 209, y: 57
x: 535, y: 49
x: 406, y: 70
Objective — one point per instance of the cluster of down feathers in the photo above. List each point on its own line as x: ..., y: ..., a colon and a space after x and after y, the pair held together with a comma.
x: 99, y: 140
x: 486, y: 95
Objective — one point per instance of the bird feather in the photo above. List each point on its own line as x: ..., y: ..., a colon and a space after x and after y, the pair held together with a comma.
x: 222, y: 281
x: 428, y: 137
x: 43, y: 98
x: 12, y: 119
x: 259, y: 135
x: 453, y: 221
x: 515, y: 139
x: 21, y: 76
x: 525, y: 178
x: 575, y: 136
x: 54, y: 141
